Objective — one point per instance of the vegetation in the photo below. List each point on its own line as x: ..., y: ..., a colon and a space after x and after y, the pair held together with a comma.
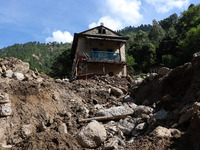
x: 169, y: 42
x: 40, y: 56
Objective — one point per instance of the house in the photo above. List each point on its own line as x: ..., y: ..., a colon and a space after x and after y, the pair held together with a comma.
x: 98, y: 51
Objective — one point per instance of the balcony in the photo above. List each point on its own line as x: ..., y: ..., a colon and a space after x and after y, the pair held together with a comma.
x: 104, y: 55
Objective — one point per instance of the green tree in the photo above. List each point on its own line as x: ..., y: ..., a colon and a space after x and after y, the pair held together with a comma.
x: 61, y: 67
x: 157, y: 33
x: 130, y: 64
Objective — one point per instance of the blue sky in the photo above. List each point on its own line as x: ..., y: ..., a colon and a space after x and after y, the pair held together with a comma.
x: 23, y: 21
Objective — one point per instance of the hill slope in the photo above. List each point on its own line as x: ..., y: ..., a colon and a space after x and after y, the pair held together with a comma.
x: 38, y: 55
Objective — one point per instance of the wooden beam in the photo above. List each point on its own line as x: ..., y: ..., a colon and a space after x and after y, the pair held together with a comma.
x: 104, y: 118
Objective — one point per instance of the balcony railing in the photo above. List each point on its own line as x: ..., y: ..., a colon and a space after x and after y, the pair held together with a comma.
x: 105, y: 55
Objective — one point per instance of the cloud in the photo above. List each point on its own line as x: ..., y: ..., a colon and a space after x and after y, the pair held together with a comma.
x: 164, y: 6
x: 108, y: 22
x: 59, y: 36
x: 120, y: 13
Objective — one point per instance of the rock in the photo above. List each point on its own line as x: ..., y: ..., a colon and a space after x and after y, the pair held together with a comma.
x: 4, y: 98
x: 92, y: 135
x: 126, y: 125
x: 163, y: 71
x: 194, y: 131
x: 18, y: 76
x: 116, y: 91
x: 185, y: 108
x: 138, y: 81
x: 3, y: 68
x: 186, y: 116
x: 128, y: 98
x: 196, y: 106
x: 166, y: 98
x: 28, y: 130
x: 41, y: 127
x: 98, y: 106
x: 62, y: 129
x: 175, y: 132
x: 129, y: 78
x: 115, y: 111
x: 143, y: 110
x: 9, y: 73
x: 151, y: 76
x: 162, y: 114
x: 141, y: 126
x: 111, y: 128
x: 161, y: 132
x: 2, y: 134
x: 132, y: 105
x: 112, y: 143
x: 22, y: 67
x: 5, y: 110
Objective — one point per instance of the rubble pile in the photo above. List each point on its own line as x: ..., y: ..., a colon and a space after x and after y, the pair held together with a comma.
x: 160, y: 111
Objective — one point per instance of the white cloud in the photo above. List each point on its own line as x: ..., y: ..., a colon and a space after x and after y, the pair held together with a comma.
x: 108, y: 22
x: 120, y: 13
x: 59, y: 36
x: 164, y: 6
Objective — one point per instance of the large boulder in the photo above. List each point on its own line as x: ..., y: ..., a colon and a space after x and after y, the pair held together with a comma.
x: 115, y: 111
x: 92, y: 135
x: 116, y: 91
x: 161, y: 132
x: 163, y: 71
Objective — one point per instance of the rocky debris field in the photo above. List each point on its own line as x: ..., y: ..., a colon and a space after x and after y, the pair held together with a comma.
x: 160, y: 111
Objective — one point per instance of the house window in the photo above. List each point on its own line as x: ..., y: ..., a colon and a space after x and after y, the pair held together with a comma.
x: 154, y: 70
x: 101, y: 31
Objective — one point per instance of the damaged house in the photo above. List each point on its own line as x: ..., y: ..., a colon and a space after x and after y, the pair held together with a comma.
x: 98, y: 51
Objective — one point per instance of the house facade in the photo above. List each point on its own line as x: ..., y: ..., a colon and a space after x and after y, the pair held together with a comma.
x: 98, y: 51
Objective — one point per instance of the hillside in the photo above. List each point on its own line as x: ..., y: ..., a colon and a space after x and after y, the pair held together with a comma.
x: 40, y: 56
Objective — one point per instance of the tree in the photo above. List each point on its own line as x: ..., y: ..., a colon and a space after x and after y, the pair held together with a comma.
x: 61, y: 67
x: 157, y: 33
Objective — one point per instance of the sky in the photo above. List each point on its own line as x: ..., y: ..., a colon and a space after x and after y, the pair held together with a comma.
x: 23, y: 21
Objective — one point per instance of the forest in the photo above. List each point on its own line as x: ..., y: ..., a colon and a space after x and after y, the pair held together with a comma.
x: 169, y: 42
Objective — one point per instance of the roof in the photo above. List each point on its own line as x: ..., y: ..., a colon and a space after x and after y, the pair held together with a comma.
x: 99, y: 33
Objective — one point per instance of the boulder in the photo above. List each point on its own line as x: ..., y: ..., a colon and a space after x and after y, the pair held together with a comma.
x: 92, y: 135
x: 141, y: 126
x: 115, y: 111
x: 163, y: 71
x: 116, y: 91
x: 128, y: 98
x: 5, y: 110
x: 196, y: 106
x: 185, y: 117
x: 126, y: 125
x: 162, y: 114
x: 18, y: 76
x: 143, y: 110
x: 22, y: 67
x: 4, y: 98
x: 161, y: 132
x: 138, y: 81
x: 9, y: 74
x: 175, y: 132
x: 151, y: 76
x: 62, y: 129
x: 28, y: 130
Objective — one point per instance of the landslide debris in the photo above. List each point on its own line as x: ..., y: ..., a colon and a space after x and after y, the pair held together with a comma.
x: 160, y: 111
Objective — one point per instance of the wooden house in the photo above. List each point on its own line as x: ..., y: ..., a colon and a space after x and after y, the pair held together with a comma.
x: 98, y: 51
